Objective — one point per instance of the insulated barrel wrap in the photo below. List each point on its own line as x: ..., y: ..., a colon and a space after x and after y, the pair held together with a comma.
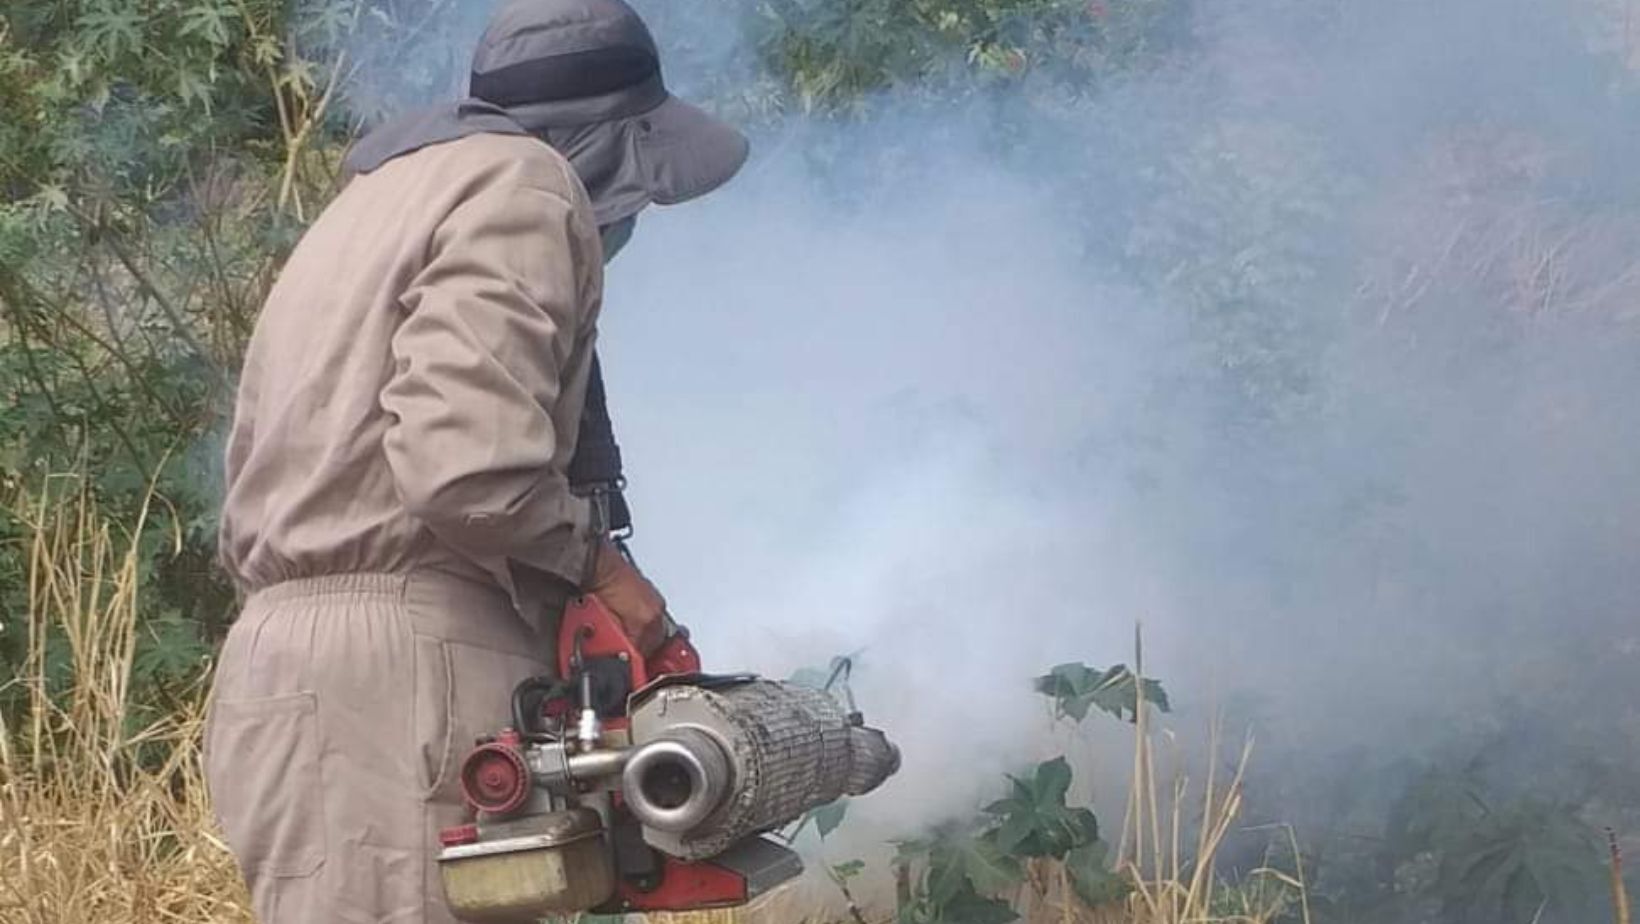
x: 787, y: 749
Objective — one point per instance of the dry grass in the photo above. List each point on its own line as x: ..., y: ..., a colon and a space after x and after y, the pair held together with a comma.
x: 99, y: 820
x: 1173, y: 871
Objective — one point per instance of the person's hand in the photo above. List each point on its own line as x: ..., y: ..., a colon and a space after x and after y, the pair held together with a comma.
x: 630, y: 596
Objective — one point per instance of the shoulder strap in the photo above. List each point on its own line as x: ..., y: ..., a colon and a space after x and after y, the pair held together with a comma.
x: 595, y: 471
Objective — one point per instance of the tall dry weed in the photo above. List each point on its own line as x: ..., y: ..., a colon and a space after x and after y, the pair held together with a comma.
x: 102, y: 818
x: 1172, y: 836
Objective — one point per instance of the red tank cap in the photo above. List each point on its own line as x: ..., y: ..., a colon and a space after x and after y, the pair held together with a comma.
x: 495, y: 779
x: 459, y: 836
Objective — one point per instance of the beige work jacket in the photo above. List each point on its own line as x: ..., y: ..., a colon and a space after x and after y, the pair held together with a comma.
x: 412, y: 390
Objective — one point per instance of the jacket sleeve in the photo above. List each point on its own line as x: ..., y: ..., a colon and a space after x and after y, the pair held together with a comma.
x: 493, y: 321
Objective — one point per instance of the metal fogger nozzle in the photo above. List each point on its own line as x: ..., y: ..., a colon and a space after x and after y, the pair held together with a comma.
x: 714, y: 764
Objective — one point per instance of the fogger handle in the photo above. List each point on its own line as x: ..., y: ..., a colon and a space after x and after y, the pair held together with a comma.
x: 677, y: 655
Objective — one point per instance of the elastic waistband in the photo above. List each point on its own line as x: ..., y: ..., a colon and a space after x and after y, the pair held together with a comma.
x: 438, y: 603
x: 373, y: 584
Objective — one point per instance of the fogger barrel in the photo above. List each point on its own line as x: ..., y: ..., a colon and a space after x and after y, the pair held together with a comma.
x: 715, y: 764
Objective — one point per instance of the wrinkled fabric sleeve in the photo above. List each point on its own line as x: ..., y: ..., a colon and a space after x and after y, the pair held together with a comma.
x: 492, y: 323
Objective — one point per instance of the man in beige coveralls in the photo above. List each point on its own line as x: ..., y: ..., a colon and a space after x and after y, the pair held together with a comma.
x: 398, y: 511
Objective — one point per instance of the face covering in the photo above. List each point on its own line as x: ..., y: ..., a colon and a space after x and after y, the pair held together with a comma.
x: 616, y: 235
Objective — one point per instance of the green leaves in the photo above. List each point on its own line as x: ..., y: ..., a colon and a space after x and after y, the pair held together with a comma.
x: 1516, y: 862
x: 1503, y: 863
x: 962, y: 874
x: 984, y: 864
x: 1035, y: 821
x: 833, y: 56
x: 112, y: 30
x: 968, y: 871
x: 171, y: 653
x: 1076, y: 689
x: 209, y: 21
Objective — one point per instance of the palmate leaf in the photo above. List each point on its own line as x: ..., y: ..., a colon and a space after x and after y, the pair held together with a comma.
x: 1437, y: 811
x: 1034, y: 820
x: 963, y: 875
x: 194, y: 86
x: 963, y: 862
x: 1016, y: 828
x: 989, y: 869
x: 1048, y: 785
x: 208, y: 20
x: 112, y: 30
x: 1077, y: 688
x: 1515, y: 862
x: 169, y: 650
x: 946, y: 876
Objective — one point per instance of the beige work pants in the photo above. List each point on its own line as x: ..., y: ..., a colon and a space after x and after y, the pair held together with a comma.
x: 342, y: 709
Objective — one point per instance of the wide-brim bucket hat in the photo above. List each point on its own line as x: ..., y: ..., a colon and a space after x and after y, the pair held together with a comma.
x: 586, y: 75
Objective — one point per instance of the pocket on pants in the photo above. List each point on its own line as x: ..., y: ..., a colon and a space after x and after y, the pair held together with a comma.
x: 431, y: 713
x: 262, y: 766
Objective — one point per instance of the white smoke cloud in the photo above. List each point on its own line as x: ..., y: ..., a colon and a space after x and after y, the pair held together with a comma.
x: 960, y: 420
x: 842, y: 426
x: 1312, y: 349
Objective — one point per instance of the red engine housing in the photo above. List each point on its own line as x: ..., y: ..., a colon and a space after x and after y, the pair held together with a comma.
x: 688, y: 887
x: 591, y: 632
